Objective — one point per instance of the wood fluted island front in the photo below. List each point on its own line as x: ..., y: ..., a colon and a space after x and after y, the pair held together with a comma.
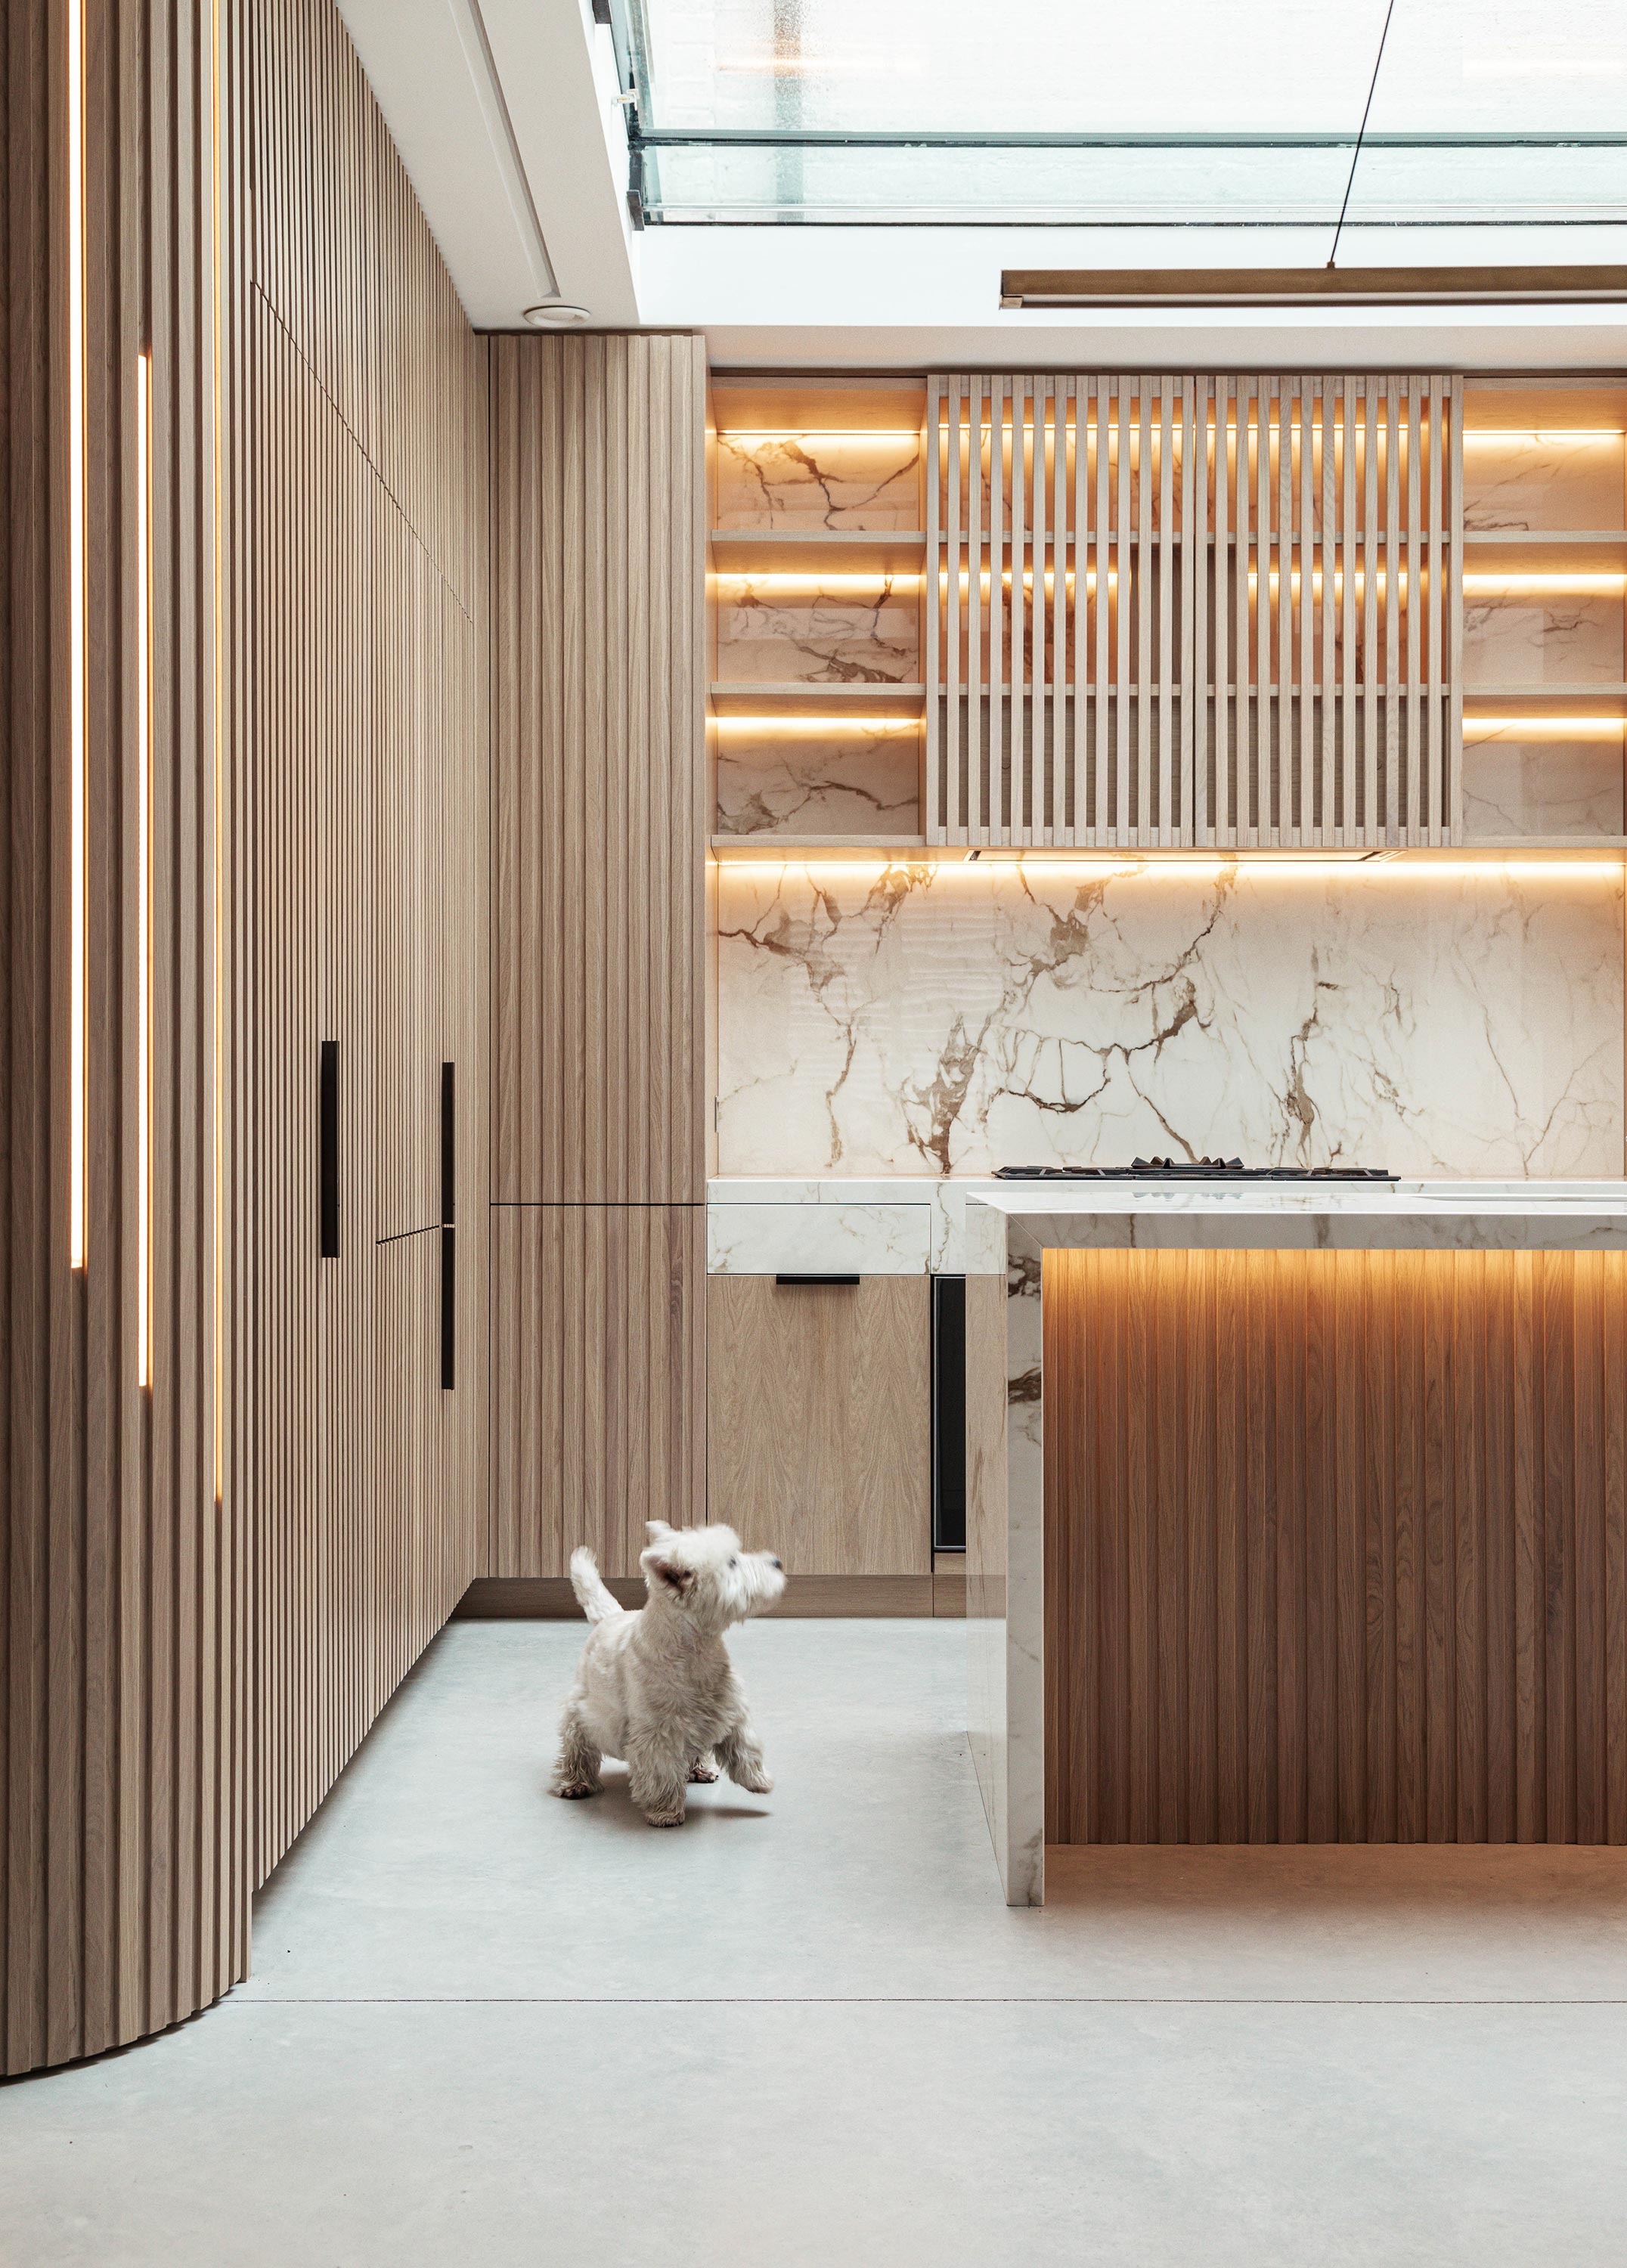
x: 1297, y: 1514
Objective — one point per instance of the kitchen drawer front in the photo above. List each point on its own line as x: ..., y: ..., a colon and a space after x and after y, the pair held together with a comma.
x: 818, y: 1421
x: 818, y: 1239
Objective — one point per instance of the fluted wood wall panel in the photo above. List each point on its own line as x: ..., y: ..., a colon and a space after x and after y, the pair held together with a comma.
x: 599, y: 1015
x: 364, y: 724
x: 598, y: 1381
x: 1184, y: 611
x: 123, y: 1764
x: 1336, y: 1549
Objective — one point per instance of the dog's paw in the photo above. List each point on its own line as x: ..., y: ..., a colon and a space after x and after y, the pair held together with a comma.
x: 753, y: 1783
x: 702, y: 1775
x: 570, y: 1789
x: 665, y: 1818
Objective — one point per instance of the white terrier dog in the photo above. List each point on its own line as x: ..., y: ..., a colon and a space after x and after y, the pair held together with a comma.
x: 656, y: 1686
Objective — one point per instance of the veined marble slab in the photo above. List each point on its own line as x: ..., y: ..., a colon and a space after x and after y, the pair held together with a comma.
x: 1542, y: 481
x: 803, y: 480
x: 1008, y: 1232
x: 944, y: 1019
x: 819, y: 1240
x: 942, y: 1202
x: 1537, y: 640
x: 1515, y: 785
x: 866, y: 783
x: 822, y: 637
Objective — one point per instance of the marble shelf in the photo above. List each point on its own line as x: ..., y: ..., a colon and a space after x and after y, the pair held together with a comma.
x: 1006, y: 1233
x: 737, y: 698
x: 819, y: 550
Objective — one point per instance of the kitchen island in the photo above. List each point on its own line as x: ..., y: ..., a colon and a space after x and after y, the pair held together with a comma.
x: 1296, y: 1512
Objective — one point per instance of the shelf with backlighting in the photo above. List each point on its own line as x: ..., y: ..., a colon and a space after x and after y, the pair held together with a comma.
x: 1528, y: 700
x: 736, y: 698
x: 1537, y: 551
x: 816, y: 551
x: 828, y: 848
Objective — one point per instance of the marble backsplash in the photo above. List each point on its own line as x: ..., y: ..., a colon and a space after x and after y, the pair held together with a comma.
x: 951, y: 1019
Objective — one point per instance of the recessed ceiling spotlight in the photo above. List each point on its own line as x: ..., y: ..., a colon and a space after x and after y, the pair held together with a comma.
x: 554, y: 314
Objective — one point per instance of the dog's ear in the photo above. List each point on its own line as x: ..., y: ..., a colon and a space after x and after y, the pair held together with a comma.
x: 656, y: 1528
x: 678, y: 1579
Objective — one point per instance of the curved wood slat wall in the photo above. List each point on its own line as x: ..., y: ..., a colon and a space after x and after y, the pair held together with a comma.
x: 184, y: 1673
x: 123, y: 1767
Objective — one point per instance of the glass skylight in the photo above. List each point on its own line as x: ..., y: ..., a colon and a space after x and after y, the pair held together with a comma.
x: 1174, y: 112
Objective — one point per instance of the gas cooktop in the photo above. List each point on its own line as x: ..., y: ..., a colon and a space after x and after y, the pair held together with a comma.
x: 1200, y: 1169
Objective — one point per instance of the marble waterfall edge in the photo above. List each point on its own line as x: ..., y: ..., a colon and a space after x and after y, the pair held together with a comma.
x: 945, y: 1019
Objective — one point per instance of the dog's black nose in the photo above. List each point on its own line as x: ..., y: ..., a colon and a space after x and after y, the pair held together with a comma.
x: 776, y: 1563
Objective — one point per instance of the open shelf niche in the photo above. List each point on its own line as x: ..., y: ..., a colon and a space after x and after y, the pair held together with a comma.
x: 1544, y: 614
x: 815, y: 586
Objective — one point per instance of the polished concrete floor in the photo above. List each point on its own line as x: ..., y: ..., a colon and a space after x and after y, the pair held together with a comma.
x: 486, y: 2027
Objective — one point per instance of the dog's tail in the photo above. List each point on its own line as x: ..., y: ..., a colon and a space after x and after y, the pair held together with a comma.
x: 596, y: 1602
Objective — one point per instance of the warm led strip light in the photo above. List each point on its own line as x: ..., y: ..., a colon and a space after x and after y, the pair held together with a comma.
x: 1546, y: 728
x: 79, y: 891
x: 1134, y: 865
x: 1504, y: 433
x: 819, y: 725
x: 143, y: 737
x: 821, y: 433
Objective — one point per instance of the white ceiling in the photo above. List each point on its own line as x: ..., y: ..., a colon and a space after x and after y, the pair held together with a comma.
x: 506, y: 115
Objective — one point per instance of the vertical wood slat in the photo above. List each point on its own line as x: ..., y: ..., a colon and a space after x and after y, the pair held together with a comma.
x: 1222, y: 814
x: 999, y: 801
x: 1061, y: 768
x: 955, y: 805
x: 976, y: 751
x: 932, y: 663
x: 1454, y: 603
x: 1021, y: 747
x: 1103, y: 558
x: 1433, y: 1639
x: 1038, y: 807
x: 1163, y: 821
x: 1195, y: 582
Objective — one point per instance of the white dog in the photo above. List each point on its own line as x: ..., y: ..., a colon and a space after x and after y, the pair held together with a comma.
x: 656, y: 1686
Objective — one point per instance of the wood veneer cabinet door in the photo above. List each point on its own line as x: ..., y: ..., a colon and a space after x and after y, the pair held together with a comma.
x: 818, y: 1421
x: 598, y: 1381
x: 598, y: 736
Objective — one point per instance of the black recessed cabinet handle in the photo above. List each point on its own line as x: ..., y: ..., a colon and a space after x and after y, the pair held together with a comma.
x: 327, y: 1148
x: 449, y: 1234
x: 850, y: 1281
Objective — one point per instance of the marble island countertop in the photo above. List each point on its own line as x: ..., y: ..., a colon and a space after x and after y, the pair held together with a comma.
x: 1012, y: 1219
x: 905, y: 1225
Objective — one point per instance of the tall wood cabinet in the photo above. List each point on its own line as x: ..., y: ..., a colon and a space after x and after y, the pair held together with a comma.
x: 599, y: 1023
